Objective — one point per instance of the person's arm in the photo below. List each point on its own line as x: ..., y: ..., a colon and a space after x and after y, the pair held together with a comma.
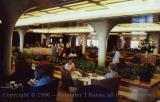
x: 73, y: 67
x: 107, y: 75
x: 32, y: 82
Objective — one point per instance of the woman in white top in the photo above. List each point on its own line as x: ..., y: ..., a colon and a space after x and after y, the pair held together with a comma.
x: 116, y: 57
x: 112, y: 73
x: 69, y: 66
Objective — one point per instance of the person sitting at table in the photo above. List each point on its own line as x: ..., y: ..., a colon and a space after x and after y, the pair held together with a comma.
x: 43, y: 75
x: 69, y: 66
x: 112, y: 73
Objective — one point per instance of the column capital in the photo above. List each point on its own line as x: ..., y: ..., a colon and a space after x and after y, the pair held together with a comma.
x: 22, y: 30
x: 102, y: 29
x: 106, y: 25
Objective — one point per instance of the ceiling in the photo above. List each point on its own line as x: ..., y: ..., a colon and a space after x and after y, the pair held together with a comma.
x: 73, y: 10
x: 120, y: 28
x: 137, y: 27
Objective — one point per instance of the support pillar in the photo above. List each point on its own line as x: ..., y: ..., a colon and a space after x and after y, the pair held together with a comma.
x: 6, y: 50
x: 10, y: 11
x: 70, y: 41
x: 22, y: 33
x: 102, y: 29
x: 47, y: 39
x: 122, y: 42
x: 42, y: 39
x: 84, y: 43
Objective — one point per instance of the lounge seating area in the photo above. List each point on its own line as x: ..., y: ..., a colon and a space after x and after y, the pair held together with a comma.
x: 79, y: 51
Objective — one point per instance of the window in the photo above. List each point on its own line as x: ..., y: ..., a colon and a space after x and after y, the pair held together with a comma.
x: 143, y: 19
x: 93, y: 43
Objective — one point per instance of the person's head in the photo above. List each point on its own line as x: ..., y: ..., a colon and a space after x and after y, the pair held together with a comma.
x: 70, y: 61
x: 43, y: 71
x: 73, y: 50
x: 112, y: 67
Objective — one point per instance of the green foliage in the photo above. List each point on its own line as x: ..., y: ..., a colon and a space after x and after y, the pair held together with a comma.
x: 101, y: 70
x: 53, y: 59
x: 33, y: 57
x: 87, y: 66
x: 130, y: 72
x: 58, y: 60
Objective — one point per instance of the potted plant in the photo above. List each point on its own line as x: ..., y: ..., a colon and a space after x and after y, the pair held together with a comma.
x: 147, y: 72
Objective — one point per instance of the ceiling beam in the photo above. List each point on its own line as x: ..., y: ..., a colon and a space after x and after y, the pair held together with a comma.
x: 95, y: 2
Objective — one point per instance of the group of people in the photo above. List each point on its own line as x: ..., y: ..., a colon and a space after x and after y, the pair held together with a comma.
x: 70, y: 67
x: 29, y: 77
x: 44, y: 72
x: 65, y: 51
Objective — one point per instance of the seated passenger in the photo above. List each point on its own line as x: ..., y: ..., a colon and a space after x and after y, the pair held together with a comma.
x: 69, y: 66
x: 112, y: 73
x: 43, y: 76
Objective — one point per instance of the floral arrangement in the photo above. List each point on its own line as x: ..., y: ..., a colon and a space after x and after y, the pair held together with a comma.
x: 147, y: 44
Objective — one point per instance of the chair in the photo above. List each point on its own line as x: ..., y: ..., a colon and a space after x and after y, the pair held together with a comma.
x: 93, y: 93
x: 23, y: 72
x: 110, y: 84
x: 158, y: 62
x: 66, y: 81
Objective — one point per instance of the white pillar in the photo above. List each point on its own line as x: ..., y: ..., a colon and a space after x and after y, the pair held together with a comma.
x: 10, y: 11
x: 156, y: 38
x: 102, y: 29
x: 42, y: 37
x: 22, y: 33
x: 122, y: 41
x: 84, y: 43
x: 47, y: 39
x: 70, y: 41
x: 78, y: 42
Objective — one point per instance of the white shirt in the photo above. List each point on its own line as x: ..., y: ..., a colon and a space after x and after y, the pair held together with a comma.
x: 111, y: 74
x: 72, y: 55
x: 68, y: 67
x: 116, y: 58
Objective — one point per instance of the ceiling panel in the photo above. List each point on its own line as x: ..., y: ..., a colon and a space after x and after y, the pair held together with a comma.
x: 91, y: 9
